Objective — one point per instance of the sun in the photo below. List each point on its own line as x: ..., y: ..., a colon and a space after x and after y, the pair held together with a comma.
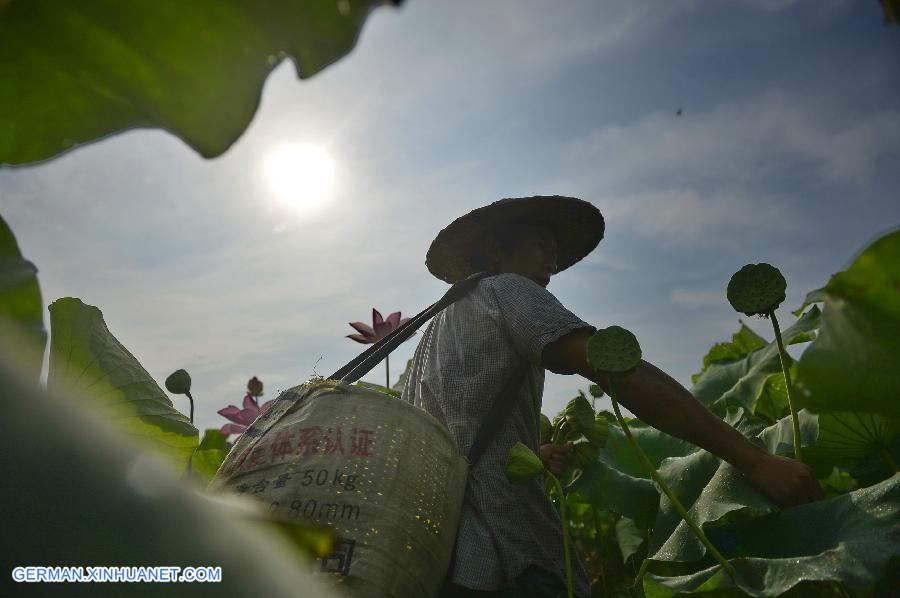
x: 300, y: 175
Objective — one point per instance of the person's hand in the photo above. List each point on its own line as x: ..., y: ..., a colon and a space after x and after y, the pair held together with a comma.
x: 555, y: 457
x: 786, y: 481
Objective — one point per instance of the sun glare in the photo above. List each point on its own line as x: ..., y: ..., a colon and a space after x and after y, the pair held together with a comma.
x: 300, y: 175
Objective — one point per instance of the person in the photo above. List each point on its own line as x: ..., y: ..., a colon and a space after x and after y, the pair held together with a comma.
x: 502, y: 336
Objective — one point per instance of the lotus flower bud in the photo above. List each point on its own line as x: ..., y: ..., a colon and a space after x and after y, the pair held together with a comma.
x: 613, y: 350
x: 255, y: 387
x: 179, y: 382
x: 756, y: 289
x: 522, y: 464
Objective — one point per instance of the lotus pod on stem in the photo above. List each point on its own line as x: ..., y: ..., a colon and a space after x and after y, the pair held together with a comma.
x: 758, y: 290
x: 615, y: 351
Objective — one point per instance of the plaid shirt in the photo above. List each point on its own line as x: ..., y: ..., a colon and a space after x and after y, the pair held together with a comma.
x: 461, y: 365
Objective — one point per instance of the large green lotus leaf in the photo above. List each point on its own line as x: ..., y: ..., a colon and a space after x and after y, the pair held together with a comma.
x: 740, y: 383
x: 743, y: 342
x: 73, y: 72
x: 852, y: 365
x: 86, y: 360
x: 866, y: 444
x: 618, y: 452
x: 77, y: 493
x: 611, y: 490
x: 815, y: 296
x: 21, y: 311
x: 772, y: 403
x: 852, y: 539
x: 712, y: 490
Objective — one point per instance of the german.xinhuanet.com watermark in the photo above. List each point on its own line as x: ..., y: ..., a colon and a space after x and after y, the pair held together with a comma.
x: 117, y: 574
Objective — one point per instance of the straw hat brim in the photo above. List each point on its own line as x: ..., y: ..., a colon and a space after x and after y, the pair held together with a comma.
x: 577, y: 224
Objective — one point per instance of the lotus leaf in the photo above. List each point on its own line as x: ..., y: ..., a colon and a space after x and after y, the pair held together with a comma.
x: 210, y: 454
x: 743, y: 342
x: 851, y: 539
x: 86, y: 360
x: 852, y: 364
x: 866, y: 444
x: 714, y: 492
x: 81, y: 494
x: 610, y: 489
x: 740, y: 383
x: 74, y: 72
x: 20, y: 301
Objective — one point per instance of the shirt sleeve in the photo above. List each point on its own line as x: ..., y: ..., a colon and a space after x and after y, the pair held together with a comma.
x: 531, y: 316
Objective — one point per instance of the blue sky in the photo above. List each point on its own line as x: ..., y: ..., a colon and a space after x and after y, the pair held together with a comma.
x: 786, y: 151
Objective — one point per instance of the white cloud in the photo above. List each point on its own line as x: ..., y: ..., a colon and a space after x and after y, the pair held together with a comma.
x: 681, y: 179
x: 694, y: 299
x: 686, y: 217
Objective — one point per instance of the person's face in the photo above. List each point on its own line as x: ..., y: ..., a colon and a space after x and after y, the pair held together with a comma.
x: 533, y: 257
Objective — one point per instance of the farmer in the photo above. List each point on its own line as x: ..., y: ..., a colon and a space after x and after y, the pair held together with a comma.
x: 500, y: 338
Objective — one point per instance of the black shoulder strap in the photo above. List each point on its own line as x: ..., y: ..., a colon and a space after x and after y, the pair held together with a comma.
x: 368, y: 359
x: 491, y: 423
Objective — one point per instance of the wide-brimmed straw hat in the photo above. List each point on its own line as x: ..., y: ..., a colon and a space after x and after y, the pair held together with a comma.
x: 578, y: 226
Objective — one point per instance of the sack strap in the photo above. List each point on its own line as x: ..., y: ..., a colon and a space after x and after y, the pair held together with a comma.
x: 368, y: 359
x: 492, y: 422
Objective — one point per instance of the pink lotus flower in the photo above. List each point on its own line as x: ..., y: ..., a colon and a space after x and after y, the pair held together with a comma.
x: 242, y: 417
x: 380, y: 328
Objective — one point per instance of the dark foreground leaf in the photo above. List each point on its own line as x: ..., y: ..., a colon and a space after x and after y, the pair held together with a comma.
x: 20, y: 301
x: 852, y: 365
x: 74, y: 72
x: 75, y: 492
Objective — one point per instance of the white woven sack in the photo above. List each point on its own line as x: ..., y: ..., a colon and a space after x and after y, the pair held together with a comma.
x: 383, y: 475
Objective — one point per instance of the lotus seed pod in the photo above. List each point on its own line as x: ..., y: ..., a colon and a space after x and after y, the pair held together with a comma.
x: 255, y: 387
x: 522, y: 464
x: 179, y: 382
x: 756, y: 289
x: 613, y: 350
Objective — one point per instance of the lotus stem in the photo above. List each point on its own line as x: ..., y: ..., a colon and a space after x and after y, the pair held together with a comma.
x: 387, y: 369
x: 191, y: 400
x: 782, y: 354
x: 641, y: 572
x: 642, y: 456
x: 565, y: 531
x: 598, y: 547
x: 190, y: 465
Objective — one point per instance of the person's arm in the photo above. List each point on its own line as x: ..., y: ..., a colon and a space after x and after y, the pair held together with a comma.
x: 666, y: 405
